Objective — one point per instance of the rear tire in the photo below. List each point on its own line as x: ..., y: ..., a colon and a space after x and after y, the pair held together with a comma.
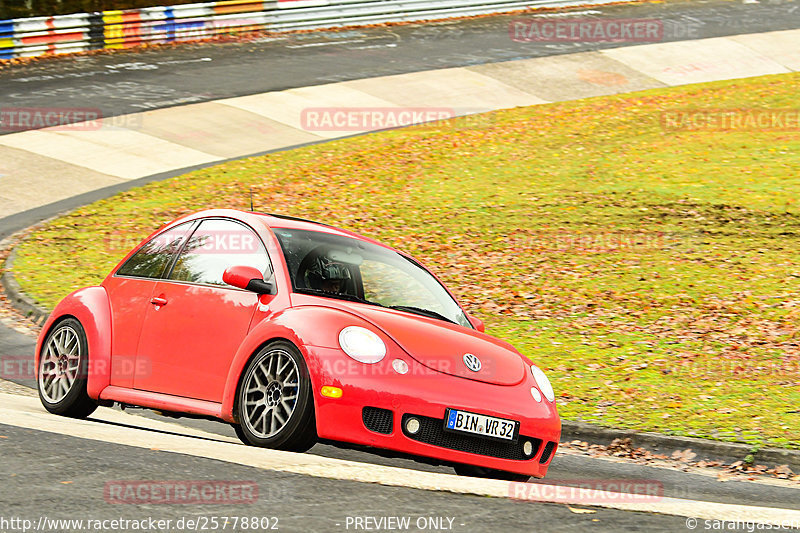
x: 274, y: 403
x: 490, y: 473
x: 63, y: 371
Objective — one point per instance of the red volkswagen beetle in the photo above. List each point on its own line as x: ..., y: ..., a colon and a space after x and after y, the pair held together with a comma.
x: 294, y: 332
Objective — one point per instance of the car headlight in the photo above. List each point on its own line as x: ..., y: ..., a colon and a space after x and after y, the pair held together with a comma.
x: 543, y: 383
x: 362, y: 344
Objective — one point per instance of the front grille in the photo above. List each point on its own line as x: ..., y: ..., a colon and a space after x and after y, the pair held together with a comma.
x: 548, y: 451
x: 431, y: 431
x: 377, y: 420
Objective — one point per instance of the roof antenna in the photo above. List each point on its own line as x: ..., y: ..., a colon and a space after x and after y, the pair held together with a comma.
x: 251, y: 200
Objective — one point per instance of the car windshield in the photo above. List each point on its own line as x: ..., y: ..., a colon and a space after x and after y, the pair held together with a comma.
x: 339, y: 267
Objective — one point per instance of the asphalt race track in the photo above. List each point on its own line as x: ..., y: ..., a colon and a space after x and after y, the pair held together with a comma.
x: 300, y: 503
x: 64, y: 477
x: 130, y: 82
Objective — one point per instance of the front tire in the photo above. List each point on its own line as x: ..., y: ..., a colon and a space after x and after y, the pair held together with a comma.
x: 275, y: 405
x: 63, y: 371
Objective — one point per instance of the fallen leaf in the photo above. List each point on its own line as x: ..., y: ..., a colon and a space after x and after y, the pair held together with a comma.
x: 684, y: 456
x: 577, y: 510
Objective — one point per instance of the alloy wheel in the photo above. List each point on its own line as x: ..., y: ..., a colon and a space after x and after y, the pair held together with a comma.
x: 60, y: 364
x: 271, y: 392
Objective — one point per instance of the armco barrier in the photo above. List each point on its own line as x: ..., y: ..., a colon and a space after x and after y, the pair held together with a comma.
x: 28, y: 37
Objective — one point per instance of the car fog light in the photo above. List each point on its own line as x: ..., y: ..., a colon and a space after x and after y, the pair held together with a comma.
x: 527, y: 448
x: 536, y: 394
x: 412, y: 425
x: 400, y: 366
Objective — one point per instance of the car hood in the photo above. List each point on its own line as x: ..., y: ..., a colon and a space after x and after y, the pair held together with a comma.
x: 441, y: 346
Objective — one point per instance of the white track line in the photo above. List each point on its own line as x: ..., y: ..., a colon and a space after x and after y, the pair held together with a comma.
x: 26, y: 412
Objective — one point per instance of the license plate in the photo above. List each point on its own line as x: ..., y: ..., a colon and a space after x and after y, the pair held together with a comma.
x: 483, y: 425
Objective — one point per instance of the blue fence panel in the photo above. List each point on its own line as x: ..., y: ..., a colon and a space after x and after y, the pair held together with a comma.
x: 6, y: 27
x: 170, y: 24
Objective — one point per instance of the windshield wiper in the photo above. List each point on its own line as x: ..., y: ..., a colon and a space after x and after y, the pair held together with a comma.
x: 423, y: 312
x: 353, y: 298
x: 338, y: 296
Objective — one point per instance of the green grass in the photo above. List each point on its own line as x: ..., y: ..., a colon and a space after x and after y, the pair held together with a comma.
x: 655, y: 274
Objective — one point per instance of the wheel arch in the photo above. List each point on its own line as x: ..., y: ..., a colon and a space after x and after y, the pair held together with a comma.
x: 90, y: 307
x: 304, y: 327
x: 234, y: 381
x: 262, y: 335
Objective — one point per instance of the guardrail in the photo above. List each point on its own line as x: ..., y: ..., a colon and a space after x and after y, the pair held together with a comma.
x: 28, y: 37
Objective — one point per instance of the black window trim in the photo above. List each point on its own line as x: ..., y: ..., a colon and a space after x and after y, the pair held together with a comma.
x: 171, y: 263
x: 174, y: 260
x: 193, y: 225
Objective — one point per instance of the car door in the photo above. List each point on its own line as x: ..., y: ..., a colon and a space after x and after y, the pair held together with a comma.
x: 195, y: 322
x: 129, y: 293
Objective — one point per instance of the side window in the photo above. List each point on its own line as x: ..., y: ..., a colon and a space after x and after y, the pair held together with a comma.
x: 152, y: 258
x: 216, y: 245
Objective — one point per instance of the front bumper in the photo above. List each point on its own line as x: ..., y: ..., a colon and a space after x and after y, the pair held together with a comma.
x: 377, y: 402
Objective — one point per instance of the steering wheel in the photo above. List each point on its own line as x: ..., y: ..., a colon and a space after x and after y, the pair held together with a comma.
x: 351, y: 286
x: 308, y: 260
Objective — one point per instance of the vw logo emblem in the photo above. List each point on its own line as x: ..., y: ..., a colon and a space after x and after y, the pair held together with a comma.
x: 472, y: 362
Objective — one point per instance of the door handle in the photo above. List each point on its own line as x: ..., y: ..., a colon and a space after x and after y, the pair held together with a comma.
x: 158, y: 301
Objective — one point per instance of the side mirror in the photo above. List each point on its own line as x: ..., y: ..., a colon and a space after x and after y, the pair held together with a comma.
x: 477, y: 323
x: 248, y: 278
